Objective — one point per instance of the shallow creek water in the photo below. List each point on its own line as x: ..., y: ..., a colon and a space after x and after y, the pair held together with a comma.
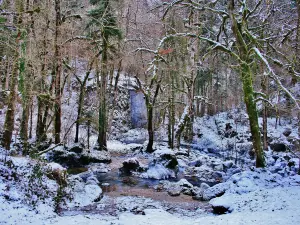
x: 115, y: 184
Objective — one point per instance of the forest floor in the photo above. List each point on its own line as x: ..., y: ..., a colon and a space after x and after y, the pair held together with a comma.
x: 246, y: 195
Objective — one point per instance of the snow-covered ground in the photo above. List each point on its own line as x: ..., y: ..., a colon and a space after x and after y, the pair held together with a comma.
x: 255, y: 196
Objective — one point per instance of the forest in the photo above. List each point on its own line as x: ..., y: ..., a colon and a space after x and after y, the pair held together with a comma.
x: 149, y: 112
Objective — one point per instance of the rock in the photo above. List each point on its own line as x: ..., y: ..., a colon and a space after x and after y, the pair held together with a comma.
x: 184, y: 183
x: 60, y: 155
x: 99, y: 167
x: 212, y: 150
x: 217, y: 175
x: 83, y: 194
x: 187, y: 191
x: 166, y: 157
x: 137, y: 211
x: 186, y: 187
x: 174, y: 191
x: 183, y: 152
x: 229, y: 132
x: 291, y: 163
x: 287, y: 157
x: 215, y: 191
x: 236, y: 170
x: 204, y: 186
x: 287, y: 132
x: 218, y: 167
x: 92, y: 180
x: 85, y: 175
x: 220, y: 209
x: 275, y: 157
x: 198, y: 197
x: 159, y: 172
x: 196, y: 163
x: 131, y: 164
x: 95, y: 157
x: 278, y: 147
x: 77, y: 148
x: 197, y: 193
x: 228, y: 164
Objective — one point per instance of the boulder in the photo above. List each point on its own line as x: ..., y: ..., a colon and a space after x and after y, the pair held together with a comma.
x: 287, y: 132
x: 95, y: 157
x: 229, y: 131
x: 278, y: 147
x: 228, y: 164
x: 92, y: 180
x: 184, y: 183
x: 60, y: 155
x: 174, y: 191
x: 197, y: 193
x: 166, y: 157
x: 77, y: 148
x: 220, y: 209
x: 215, y: 191
x: 129, y: 165
x: 196, y: 163
x: 204, y: 186
x: 83, y: 194
x: 158, y: 172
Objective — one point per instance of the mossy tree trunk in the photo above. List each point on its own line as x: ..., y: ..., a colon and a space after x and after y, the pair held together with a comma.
x: 248, y: 91
x: 252, y: 113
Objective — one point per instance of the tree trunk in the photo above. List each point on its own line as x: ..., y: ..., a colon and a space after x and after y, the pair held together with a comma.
x: 252, y: 113
x: 246, y: 75
x: 57, y: 69
x: 184, y: 120
x: 150, y: 130
x: 24, y: 122
x: 31, y: 119
x: 298, y: 56
x: 10, y: 113
x: 39, y: 127
x: 102, y: 142
x: 265, y: 115
x: 79, y: 110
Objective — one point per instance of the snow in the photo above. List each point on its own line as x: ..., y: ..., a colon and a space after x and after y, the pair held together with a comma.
x: 256, y: 196
x: 158, y: 172
x: 252, y: 196
x: 56, y: 166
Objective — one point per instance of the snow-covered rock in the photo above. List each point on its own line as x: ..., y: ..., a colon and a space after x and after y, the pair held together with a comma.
x: 95, y: 156
x: 166, y: 157
x: 215, y: 191
x: 84, y: 194
x: 158, y: 172
x: 129, y: 165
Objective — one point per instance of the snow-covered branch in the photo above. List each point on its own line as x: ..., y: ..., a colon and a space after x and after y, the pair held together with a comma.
x: 275, y: 77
